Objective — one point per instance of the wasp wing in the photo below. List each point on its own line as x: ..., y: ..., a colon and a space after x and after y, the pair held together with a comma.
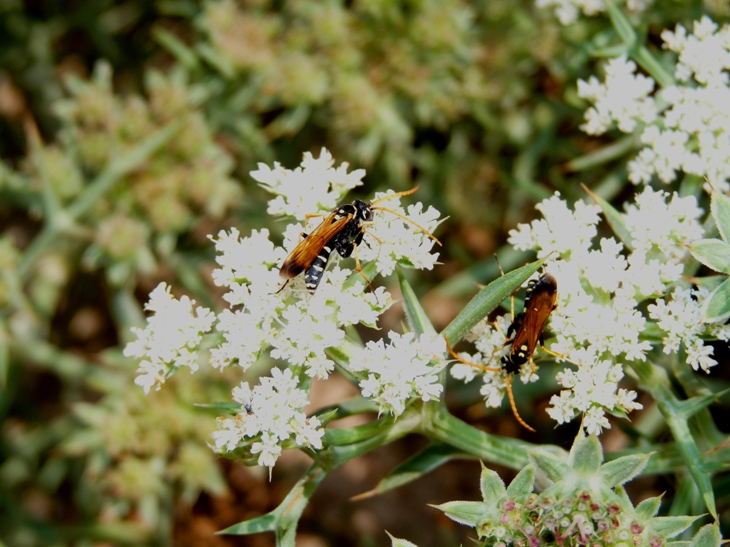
x: 309, y: 248
x: 537, y: 310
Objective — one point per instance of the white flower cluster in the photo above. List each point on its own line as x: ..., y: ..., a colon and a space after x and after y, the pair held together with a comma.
x: 681, y: 319
x: 313, y: 186
x: 294, y: 326
x: 568, y: 11
x: 170, y: 339
x: 684, y: 127
x: 598, y: 323
x: 272, y: 412
x: 400, y: 370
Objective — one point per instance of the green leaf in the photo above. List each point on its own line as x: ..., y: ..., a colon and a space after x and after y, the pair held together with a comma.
x: 670, y: 526
x: 415, y: 467
x: 521, y: 485
x: 586, y: 454
x: 396, y: 542
x: 720, y: 208
x: 417, y: 318
x: 553, y: 467
x: 708, y: 536
x: 717, y: 305
x: 713, y: 253
x: 350, y: 407
x: 491, y: 486
x: 692, y: 406
x: 613, y: 217
x: 624, y: 469
x: 264, y: 523
x: 487, y: 300
x: 648, y: 508
x: 224, y: 408
x: 470, y: 513
x: 621, y: 24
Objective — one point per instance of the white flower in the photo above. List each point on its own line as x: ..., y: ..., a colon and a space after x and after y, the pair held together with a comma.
x: 681, y: 320
x: 401, y: 370
x: 624, y: 98
x: 275, y: 416
x: 311, y: 188
x: 686, y: 124
x: 171, y: 338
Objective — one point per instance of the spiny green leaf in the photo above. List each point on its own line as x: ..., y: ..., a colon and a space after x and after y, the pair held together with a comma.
x: 586, y: 454
x: 521, y: 485
x: 615, y: 219
x: 717, y: 305
x: 553, y: 467
x: 720, y: 208
x: 670, y: 526
x: 491, y: 486
x: 470, y: 513
x: 708, y: 536
x: 417, y: 318
x: 648, y: 508
x: 487, y: 300
x: 624, y: 469
x: 713, y: 253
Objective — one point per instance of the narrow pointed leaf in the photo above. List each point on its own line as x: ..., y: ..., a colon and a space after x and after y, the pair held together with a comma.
x: 415, y: 467
x: 417, y: 318
x: 720, y: 208
x: 587, y: 455
x: 491, y: 486
x: 523, y: 483
x: 614, y: 218
x: 717, y: 305
x: 470, y: 513
x: 264, y: 523
x: 648, y: 508
x: 224, y: 408
x: 671, y: 526
x: 708, y: 536
x: 397, y: 542
x: 624, y: 469
x: 713, y: 253
x: 487, y: 300
x: 692, y: 406
x: 350, y: 407
x: 548, y: 464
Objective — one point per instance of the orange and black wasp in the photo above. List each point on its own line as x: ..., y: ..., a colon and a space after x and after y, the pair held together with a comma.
x: 342, y: 231
x: 540, y: 301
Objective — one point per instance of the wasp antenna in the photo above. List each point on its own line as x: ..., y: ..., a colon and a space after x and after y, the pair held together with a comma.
x: 429, y: 234
x: 514, y: 406
x: 395, y: 195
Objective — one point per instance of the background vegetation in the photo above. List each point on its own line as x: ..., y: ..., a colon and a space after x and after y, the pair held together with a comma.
x: 127, y: 131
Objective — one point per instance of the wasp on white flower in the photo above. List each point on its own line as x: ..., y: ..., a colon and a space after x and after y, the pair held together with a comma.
x: 292, y: 325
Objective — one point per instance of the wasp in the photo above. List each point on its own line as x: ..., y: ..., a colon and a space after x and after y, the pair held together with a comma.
x: 540, y: 301
x: 342, y: 231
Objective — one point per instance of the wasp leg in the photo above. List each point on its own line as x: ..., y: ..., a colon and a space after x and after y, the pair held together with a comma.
x: 507, y: 379
x: 282, y: 287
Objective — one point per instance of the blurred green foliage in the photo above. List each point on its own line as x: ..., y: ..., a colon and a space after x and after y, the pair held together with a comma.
x: 128, y: 129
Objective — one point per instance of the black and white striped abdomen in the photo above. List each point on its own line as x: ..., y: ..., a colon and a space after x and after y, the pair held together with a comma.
x: 313, y: 274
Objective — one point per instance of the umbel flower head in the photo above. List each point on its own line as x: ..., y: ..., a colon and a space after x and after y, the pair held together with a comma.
x: 583, y: 504
x: 293, y: 325
x: 601, y: 317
